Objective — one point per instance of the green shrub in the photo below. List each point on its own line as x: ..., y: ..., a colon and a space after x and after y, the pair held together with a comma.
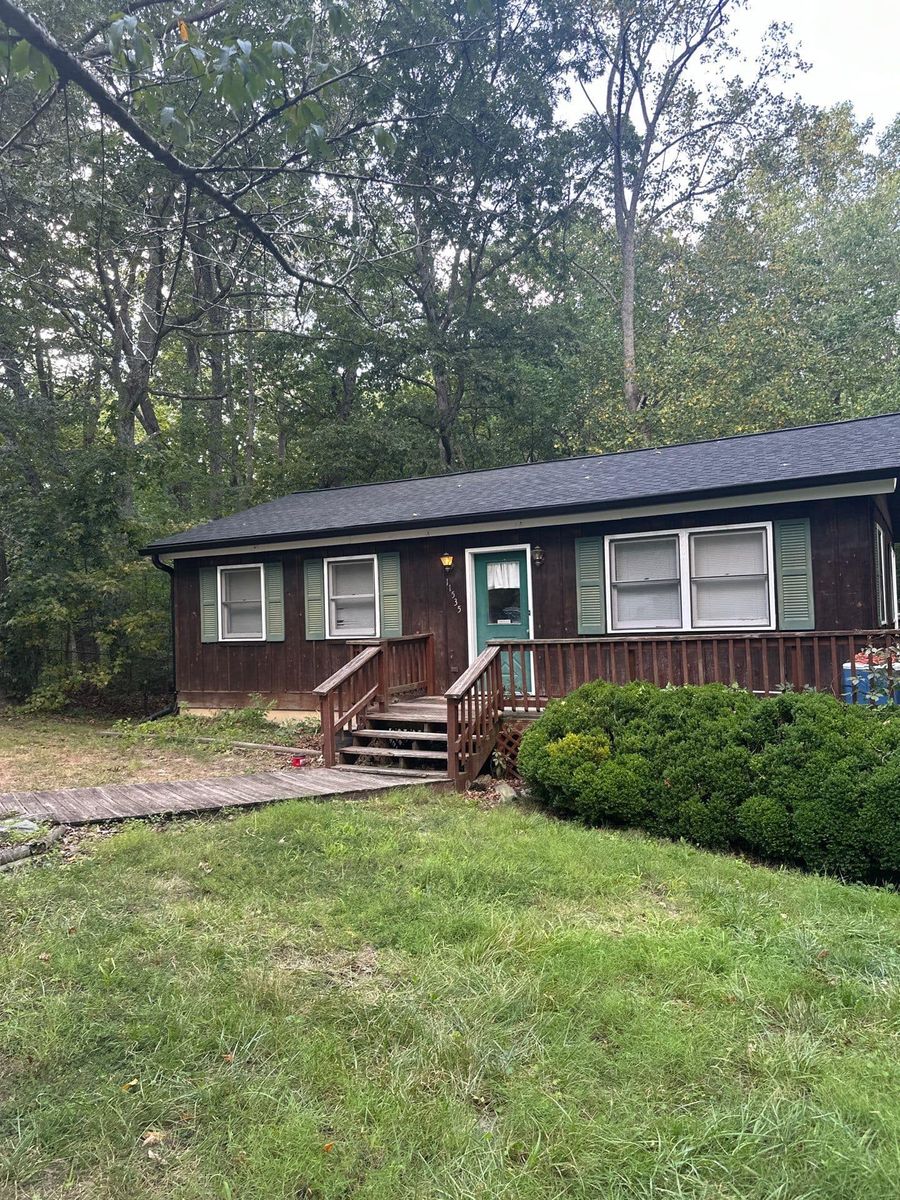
x: 799, y: 777
x: 765, y: 826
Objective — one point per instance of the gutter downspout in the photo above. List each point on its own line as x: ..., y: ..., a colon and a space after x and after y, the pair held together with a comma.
x: 172, y: 707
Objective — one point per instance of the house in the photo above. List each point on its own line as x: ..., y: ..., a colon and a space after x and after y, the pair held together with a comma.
x: 753, y: 559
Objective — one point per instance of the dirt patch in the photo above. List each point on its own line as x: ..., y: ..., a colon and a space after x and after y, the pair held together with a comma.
x: 365, y: 970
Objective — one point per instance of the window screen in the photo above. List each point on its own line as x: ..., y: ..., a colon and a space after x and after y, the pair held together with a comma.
x: 646, y: 588
x: 242, y: 610
x: 729, y: 578
x: 352, y: 598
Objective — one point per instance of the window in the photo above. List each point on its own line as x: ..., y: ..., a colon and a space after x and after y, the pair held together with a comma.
x: 352, y: 597
x: 241, y: 603
x: 729, y: 578
x: 691, y: 579
x: 504, y: 595
x: 646, y: 584
x: 885, y: 579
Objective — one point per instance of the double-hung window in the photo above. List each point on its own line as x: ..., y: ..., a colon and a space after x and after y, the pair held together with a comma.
x: 684, y: 579
x: 241, y: 610
x: 646, y: 582
x: 352, y: 586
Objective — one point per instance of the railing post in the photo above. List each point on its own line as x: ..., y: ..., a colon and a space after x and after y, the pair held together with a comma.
x: 326, y: 717
x: 383, y: 682
x: 453, y: 742
x: 430, y: 672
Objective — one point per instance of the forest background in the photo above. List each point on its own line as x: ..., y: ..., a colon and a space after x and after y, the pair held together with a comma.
x: 247, y: 249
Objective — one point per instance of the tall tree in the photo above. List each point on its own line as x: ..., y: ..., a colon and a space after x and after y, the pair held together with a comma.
x: 678, y: 124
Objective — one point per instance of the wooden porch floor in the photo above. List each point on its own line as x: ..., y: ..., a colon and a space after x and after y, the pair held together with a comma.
x: 82, y: 806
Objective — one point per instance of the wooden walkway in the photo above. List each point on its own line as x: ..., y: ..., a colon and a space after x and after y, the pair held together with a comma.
x: 81, y: 806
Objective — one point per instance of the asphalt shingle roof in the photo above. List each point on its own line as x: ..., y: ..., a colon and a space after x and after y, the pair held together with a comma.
x: 844, y: 450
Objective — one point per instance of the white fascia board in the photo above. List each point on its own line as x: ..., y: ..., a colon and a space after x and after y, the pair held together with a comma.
x: 834, y: 491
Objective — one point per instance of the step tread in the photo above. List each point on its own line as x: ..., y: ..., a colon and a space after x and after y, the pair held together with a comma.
x: 421, y: 735
x: 405, y: 719
x: 393, y: 752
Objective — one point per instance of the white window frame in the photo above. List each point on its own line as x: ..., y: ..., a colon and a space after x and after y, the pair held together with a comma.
x: 684, y: 577
x: 886, y: 606
x: 343, y: 636
x: 226, y: 637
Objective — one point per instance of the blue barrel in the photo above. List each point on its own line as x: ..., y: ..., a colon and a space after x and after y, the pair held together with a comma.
x: 871, y: 684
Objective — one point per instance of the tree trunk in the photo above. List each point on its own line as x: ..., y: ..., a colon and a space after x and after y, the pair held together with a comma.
x: 250, y: 387
x: 629, y: 360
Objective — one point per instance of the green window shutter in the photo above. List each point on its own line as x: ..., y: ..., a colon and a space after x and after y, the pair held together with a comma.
x: 793, y: 575
x: 590, y: 585
x: 389, y: 597
x: 274, y: 584
x: 209, y: 604
x: 314, y: 598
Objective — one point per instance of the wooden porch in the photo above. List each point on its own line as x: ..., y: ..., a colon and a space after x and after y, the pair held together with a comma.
x: 381, y: 705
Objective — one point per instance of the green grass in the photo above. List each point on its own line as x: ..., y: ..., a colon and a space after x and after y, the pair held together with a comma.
x: 413, y: 998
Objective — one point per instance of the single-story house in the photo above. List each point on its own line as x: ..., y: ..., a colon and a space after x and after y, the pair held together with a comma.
x: 754, y: 559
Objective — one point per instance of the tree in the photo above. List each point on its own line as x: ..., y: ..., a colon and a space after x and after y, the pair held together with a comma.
x: 675, y: 140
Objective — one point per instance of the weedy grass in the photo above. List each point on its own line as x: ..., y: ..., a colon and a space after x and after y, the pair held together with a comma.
x: 58, y: 752
x: 414, y: 998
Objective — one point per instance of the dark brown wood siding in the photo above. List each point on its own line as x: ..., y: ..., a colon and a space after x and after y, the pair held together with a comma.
x: 223, y: 674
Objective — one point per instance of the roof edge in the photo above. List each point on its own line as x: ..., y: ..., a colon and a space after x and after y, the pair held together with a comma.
x: 479, y: 518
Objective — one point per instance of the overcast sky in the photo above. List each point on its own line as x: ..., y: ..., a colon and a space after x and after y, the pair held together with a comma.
x: 853, y: 47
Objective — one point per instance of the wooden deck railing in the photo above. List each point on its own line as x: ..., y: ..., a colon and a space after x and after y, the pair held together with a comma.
x: 381, y: 670
x: 346, y: 694
x: 761, y: 662
x: 474, y: 712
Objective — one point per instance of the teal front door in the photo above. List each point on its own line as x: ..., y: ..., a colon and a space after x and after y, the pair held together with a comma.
x: 502, y: 605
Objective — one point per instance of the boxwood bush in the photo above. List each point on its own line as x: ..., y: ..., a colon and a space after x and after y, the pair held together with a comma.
x: 799, y: 778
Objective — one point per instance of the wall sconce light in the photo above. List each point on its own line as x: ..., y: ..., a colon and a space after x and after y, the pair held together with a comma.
x: 447, y: 562
x: 537, y: 556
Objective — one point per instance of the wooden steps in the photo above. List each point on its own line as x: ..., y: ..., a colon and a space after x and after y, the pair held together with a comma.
x: 410, y: 734
x: 392, y: 752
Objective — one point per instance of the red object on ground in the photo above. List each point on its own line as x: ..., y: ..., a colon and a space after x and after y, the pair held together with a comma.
x: 298, y: 761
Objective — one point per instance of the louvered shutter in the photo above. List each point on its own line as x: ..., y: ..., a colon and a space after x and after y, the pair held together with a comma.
x: 209, y: 604
x: 590, y: 585
x: 389, y: 597
x: 793, y: 574
x: 274, y: 585
x: 314, y: 598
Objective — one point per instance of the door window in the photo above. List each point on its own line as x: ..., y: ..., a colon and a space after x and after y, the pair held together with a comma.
x: 504, y: 593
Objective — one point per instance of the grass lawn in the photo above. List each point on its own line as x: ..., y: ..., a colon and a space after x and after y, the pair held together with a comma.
x: 53, y: 752
x: 416, y: 998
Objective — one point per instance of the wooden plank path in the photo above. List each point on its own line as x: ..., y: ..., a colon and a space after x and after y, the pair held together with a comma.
x: 81, y: 806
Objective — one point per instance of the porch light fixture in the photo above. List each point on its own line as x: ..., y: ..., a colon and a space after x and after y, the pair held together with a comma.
x: 447, y: 562
x: 537, y: 556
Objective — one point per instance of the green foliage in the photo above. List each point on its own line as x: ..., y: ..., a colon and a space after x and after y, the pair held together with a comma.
x: 797, y: 778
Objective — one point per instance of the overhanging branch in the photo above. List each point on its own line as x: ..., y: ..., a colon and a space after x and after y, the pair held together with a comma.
x: 71, y: 70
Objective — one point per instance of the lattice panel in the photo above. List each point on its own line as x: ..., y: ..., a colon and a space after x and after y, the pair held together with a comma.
x: 509, y: 738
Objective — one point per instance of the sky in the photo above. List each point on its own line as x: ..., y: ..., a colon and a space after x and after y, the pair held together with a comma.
x: 853, y: 49
x: 851, y: 46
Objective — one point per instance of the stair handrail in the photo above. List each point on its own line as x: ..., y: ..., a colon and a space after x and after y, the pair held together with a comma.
x: 346, y: 693
x: 409, y: 664
x: 474, y: 713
